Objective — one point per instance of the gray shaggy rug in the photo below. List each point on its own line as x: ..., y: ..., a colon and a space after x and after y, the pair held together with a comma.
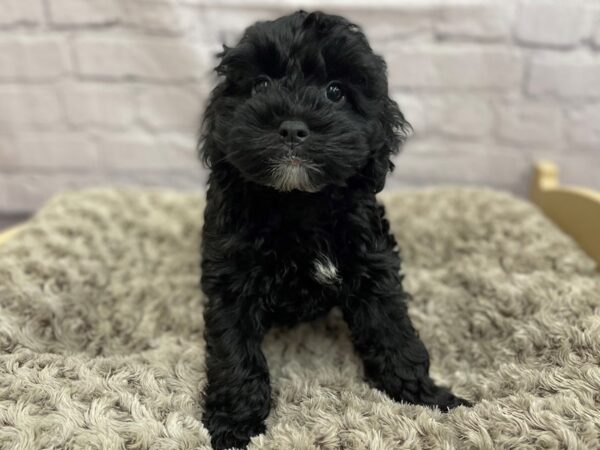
x: 101, y: 332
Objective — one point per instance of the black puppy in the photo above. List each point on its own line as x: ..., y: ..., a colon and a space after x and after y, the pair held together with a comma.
x: 299, y: 134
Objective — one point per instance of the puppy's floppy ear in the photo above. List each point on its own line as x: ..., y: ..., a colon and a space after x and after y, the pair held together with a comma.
x: 231, y: 58
x: 209, y: 142
x: 392, y: 131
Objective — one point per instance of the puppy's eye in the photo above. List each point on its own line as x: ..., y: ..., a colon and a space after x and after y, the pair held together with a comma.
x: 261, y: 84
x: 334, y: 91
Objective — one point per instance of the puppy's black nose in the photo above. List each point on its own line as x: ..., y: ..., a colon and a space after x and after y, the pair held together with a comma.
x: 293, y: 131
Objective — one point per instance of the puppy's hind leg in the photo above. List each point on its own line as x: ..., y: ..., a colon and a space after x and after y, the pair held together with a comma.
x: 237, y: 396
x: 395, y: 359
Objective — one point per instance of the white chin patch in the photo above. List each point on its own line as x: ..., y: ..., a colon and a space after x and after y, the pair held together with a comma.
x: 325, y: 271
x: 287, y: 177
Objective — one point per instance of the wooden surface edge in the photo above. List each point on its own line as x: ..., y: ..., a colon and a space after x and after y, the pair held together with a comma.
x: 575, y: 210
x: 9, y: 233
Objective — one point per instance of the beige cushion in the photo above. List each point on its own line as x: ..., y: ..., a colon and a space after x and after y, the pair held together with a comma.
x: 101, y: 332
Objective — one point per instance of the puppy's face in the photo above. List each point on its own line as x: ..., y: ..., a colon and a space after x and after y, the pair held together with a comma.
x: 303, y: 104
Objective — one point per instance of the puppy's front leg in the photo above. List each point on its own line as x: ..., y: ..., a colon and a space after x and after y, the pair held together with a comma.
x: 238, y: 392
x: 395, y: 359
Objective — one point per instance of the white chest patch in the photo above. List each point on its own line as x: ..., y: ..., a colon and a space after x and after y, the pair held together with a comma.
x: 325, y: 271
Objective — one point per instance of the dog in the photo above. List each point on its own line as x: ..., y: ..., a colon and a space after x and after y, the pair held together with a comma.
x: 298, y: 135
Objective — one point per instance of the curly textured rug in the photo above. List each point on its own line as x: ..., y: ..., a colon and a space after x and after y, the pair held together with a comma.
x: 101, y: 332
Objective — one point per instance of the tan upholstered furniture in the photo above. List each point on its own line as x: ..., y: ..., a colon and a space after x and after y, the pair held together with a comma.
x: 575, y: 210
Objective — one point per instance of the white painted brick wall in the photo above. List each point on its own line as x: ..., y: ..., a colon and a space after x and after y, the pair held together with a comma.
x: 453, y: 66
x: 30, y: 109
x: 45, y: 151
x: 595, y: 23
x: 551, y: 23
x: 162, y: 18
x: 529, y: 123
x: 168, y: 108
x: 81, y: 13
x: 25, y: 58
x: 148, y: 58
x: 479, y: 21
x: 111, y: 91
x: 100, y: 105
x: 145, y: 152
x: 569, y: 77
x: 464, y: 116
x: 584, y: 126
x: 21, y: 12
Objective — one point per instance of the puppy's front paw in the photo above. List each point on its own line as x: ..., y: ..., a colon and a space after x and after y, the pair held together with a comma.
x: 446, y: 400
x: 426, y: 393
x: 451, y: 401
x: 232, y: 435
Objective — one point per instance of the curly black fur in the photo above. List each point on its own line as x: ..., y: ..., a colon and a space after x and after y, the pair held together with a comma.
x: 293, y: 229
